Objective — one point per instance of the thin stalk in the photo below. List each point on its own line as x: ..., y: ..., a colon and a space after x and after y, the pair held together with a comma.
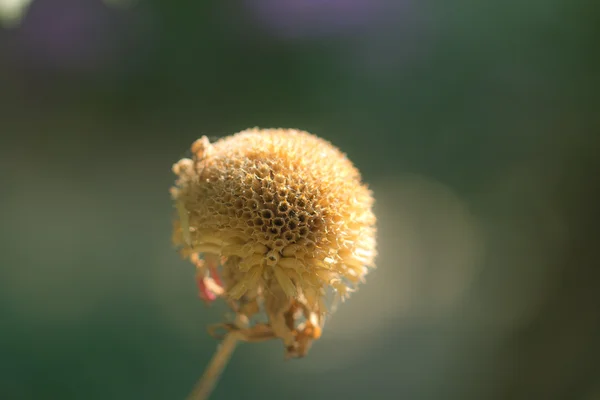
x: 213, y: 371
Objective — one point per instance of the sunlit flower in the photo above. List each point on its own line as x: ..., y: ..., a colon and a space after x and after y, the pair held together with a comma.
x: 279, y: 217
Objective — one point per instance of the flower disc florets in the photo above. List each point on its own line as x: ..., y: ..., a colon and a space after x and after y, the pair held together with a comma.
x: 285, y: 208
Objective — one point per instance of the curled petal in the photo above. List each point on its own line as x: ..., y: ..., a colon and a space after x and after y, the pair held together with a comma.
x: 285, y: 282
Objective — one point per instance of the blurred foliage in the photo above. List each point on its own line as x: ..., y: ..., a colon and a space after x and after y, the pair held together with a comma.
x: 476, y: 123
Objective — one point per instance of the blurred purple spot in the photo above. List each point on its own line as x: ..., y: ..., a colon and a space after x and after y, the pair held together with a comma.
x: 71, y: 34
x: 309, y: 18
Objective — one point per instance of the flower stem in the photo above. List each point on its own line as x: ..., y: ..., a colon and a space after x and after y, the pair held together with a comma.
x: 208, y: 381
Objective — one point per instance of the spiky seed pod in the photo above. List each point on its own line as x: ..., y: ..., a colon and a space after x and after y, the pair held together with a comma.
x: 287, y: 210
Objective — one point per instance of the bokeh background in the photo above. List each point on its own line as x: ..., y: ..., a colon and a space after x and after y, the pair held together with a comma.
x: 476, y: 123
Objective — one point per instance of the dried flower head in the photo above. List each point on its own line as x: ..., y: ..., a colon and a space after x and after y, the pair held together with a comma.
x: 278, y: 216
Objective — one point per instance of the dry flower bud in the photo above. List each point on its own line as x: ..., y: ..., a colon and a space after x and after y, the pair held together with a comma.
x: 289, y: 217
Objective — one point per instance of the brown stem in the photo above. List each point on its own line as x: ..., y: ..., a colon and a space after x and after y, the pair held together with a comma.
x: 217, y: 364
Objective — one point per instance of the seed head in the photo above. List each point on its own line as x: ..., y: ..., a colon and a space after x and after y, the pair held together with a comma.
x: 287, y: 215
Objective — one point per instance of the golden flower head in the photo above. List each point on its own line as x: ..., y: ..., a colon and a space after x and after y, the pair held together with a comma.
x: 286, y: 214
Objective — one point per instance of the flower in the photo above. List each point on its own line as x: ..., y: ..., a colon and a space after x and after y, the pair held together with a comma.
x: 287, y: 216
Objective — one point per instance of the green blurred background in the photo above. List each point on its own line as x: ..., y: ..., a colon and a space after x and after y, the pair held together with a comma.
x: 476, y: 123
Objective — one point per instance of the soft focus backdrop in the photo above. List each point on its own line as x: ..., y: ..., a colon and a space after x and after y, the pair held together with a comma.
x: 476, y: 123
